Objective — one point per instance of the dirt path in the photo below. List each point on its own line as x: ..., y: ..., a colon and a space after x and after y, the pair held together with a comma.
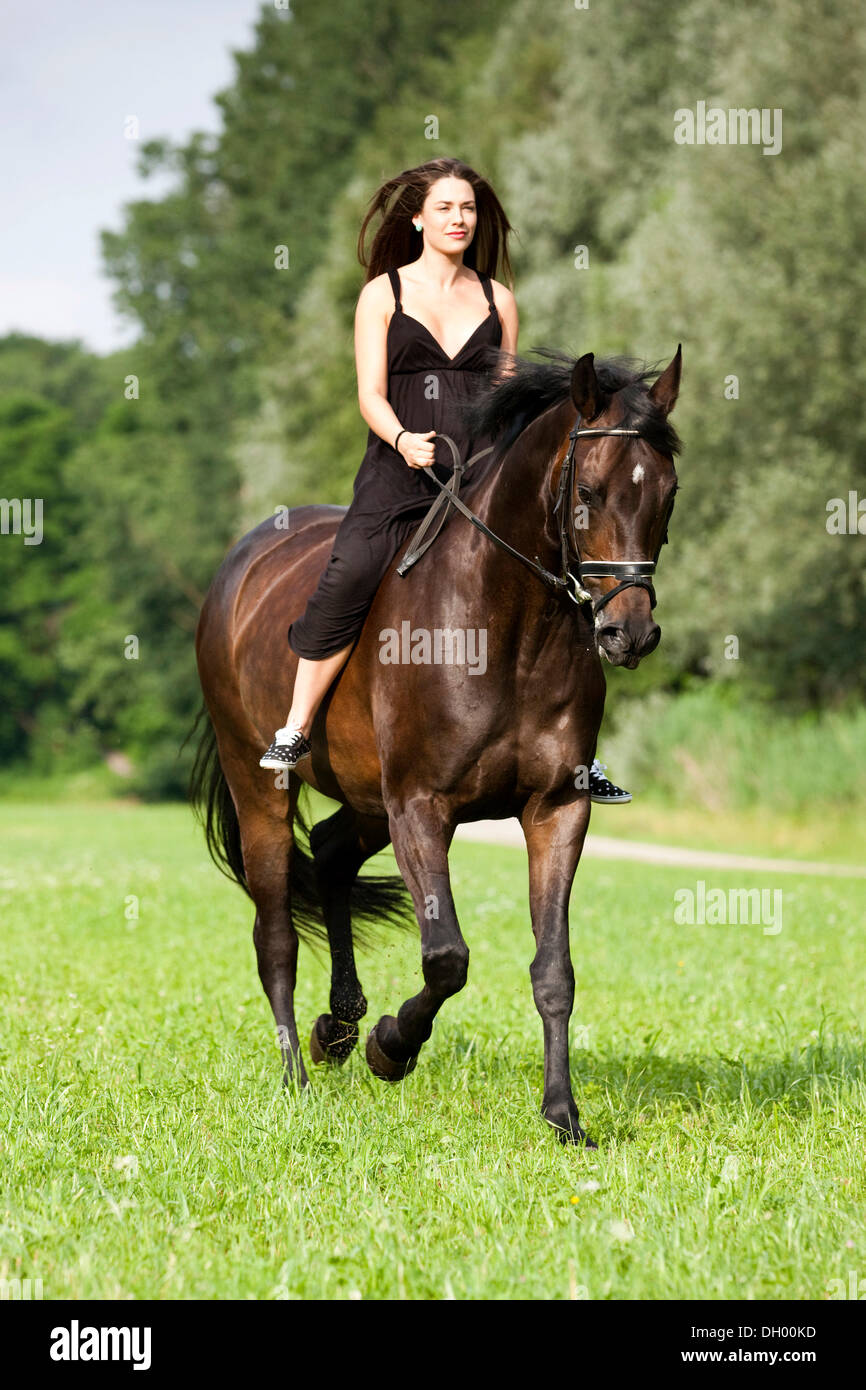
x: 509, y: 832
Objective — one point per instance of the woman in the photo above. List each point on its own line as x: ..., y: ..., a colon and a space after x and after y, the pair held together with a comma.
x: 423, y: 339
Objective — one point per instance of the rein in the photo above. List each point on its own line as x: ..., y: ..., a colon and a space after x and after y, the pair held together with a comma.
x: 630, y: 573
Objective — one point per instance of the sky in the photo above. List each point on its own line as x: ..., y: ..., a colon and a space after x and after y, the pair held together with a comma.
x: 70, y: 75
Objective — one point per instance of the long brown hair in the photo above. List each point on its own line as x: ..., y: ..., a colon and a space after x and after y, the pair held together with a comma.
x: 397, y: 242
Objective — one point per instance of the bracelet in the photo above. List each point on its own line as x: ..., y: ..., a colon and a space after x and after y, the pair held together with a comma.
x: 397, y: 440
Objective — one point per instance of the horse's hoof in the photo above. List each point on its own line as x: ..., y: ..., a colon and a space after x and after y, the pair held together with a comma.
x: 580, y: 1140
x: 568, y: 1131
x: 331, y: 1041
x: 380, y: 1063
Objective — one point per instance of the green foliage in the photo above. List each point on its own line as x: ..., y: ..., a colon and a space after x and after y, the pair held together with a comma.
x: 246, y: 395
x: 37, y: 561
x: 712, y: 750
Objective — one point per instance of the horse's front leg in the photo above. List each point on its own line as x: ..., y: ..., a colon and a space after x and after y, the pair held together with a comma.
x: 421, y: 835
x: 555, y: 833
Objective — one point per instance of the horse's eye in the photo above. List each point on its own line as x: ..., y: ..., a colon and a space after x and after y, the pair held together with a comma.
x: 584, y: 493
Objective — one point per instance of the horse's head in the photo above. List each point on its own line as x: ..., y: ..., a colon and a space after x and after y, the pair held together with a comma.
x: 622, y: 489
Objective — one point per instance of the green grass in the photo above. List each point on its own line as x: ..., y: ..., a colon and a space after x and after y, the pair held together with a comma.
x: 150, y: 1151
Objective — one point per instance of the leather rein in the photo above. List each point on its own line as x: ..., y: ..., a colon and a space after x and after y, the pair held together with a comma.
x: 630, y: 573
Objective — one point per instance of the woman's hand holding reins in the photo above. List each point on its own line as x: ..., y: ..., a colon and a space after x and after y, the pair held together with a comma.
x: 416, y: 450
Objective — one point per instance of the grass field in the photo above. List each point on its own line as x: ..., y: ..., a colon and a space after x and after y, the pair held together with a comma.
x: 150, y: 1151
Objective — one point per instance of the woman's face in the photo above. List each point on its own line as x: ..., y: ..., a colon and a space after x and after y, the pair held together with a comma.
x: 449, y: 215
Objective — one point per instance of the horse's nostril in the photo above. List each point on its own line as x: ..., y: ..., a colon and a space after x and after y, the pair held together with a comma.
x: 650, y: 641
x: 611, y: 636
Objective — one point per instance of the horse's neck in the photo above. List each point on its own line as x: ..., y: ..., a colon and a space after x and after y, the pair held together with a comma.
x: 540, y: 646
x: 516, y: 497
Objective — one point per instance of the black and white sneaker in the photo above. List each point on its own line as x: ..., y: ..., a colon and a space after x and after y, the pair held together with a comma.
x: 287, y: 749
x: 603, y: 791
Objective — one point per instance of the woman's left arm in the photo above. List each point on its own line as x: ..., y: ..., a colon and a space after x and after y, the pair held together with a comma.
x: 506, y: 307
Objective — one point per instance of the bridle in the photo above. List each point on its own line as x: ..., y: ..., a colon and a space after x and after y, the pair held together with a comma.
x: 630, y: 573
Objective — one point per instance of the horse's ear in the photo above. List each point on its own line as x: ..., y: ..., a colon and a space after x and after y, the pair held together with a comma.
x: 666, y: 389
x: 585, y: 390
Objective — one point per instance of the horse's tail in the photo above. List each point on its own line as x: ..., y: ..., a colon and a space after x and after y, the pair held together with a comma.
x: 214, y: 805
x: 376, y: 901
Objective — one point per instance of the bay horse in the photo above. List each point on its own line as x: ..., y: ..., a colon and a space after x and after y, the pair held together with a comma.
x: 581, y: 481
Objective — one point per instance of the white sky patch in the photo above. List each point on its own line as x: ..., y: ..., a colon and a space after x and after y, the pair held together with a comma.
x: 67, y: 88
x: 638, y: 473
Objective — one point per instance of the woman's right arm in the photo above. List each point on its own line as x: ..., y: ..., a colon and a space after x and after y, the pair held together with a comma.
x: 371, y: 365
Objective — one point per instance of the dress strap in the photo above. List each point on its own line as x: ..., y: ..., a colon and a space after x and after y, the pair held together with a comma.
x: 485, y: 285
x: 394, y: 277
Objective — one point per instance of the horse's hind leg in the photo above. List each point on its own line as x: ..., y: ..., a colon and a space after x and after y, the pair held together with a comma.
x: 267, y: 842
x: 340, y: 846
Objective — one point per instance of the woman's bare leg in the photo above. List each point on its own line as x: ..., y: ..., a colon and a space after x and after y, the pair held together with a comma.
x: 312, y: 681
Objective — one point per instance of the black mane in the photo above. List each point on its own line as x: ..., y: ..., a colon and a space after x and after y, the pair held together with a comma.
x: 502, y: 412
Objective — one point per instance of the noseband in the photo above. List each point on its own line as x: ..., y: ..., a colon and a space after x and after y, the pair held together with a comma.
x: 632, y: 574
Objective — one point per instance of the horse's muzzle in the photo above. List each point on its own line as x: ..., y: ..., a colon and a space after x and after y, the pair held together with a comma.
x: 627, y: 643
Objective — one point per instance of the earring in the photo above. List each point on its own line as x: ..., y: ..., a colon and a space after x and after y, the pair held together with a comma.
x: 417, y: 226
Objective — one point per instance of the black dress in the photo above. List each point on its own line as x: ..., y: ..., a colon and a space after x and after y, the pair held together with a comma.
x: 390, y: 498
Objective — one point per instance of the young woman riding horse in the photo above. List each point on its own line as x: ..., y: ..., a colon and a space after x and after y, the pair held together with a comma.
x: 439, y: 243
x: 550, y: 566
